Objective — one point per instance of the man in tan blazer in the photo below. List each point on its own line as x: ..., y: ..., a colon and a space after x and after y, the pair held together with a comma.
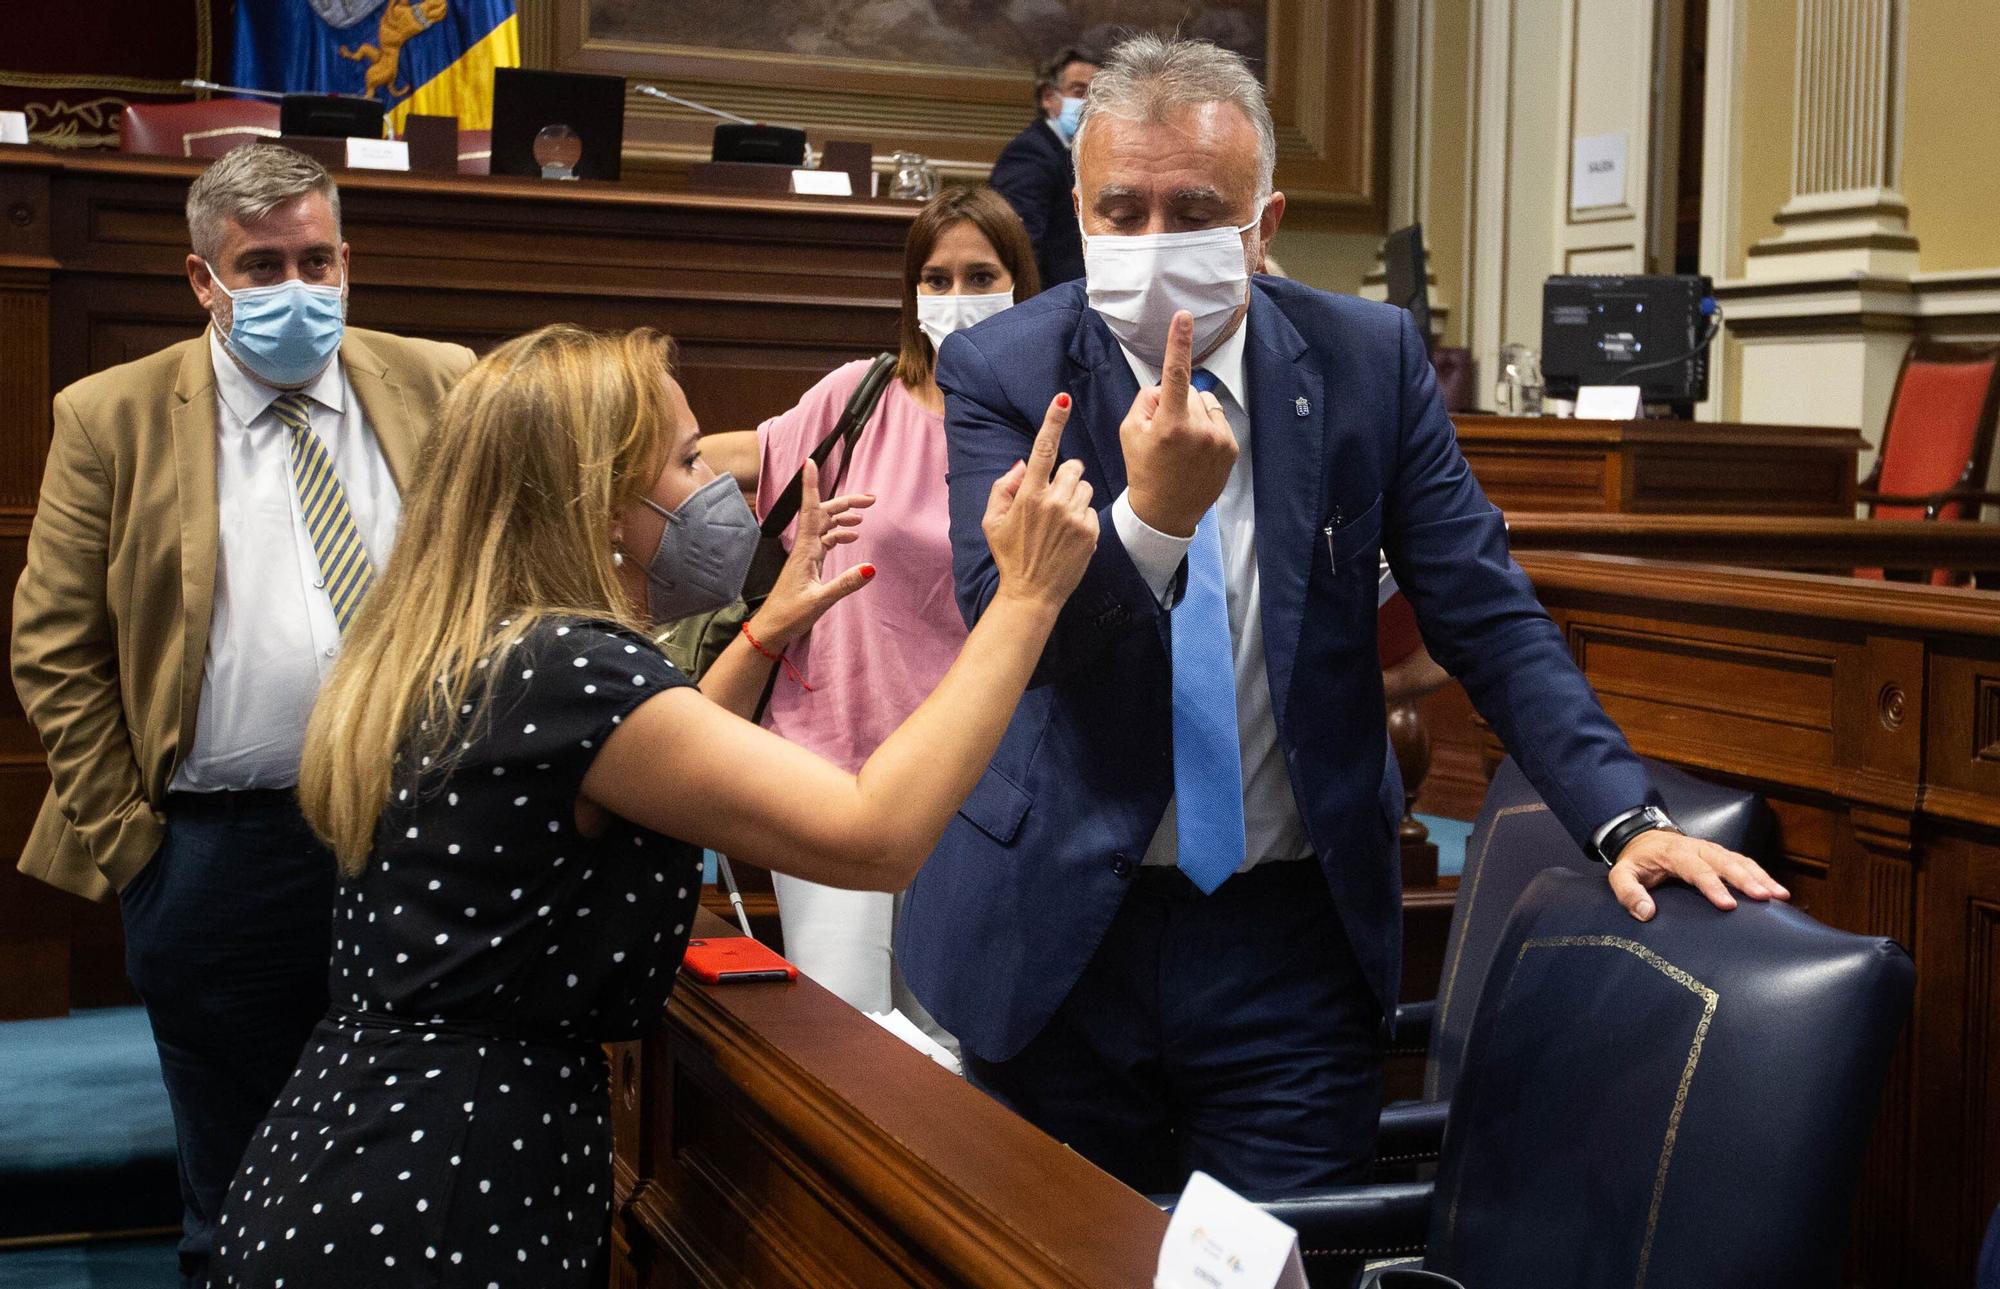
x: 210, y: 518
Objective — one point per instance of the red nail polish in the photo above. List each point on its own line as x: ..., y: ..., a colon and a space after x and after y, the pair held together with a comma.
x: 867, y: 571
x: 1062, y: 400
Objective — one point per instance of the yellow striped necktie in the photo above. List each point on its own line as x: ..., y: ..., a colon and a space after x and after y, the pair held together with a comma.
x: 344, y: 570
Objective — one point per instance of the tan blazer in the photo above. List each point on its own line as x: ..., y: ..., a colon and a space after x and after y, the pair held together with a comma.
x: 112, y: 612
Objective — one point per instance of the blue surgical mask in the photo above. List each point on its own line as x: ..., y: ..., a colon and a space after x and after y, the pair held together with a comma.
x: 285, y: 333
x: 1069, y: 118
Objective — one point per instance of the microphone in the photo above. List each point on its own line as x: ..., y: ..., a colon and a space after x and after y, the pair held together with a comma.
x: 654, y: 91
x: 759, y: 142
x: 196, y: 83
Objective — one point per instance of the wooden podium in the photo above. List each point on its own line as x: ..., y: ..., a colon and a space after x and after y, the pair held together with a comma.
x: 769, y: 1134
x: 1679, y: 467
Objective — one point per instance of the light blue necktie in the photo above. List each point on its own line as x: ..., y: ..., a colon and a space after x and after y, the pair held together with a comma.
x: 1208, y: 754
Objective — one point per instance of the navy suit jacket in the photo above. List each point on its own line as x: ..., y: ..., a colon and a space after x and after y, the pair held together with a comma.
x: 1351, y: 452
x: 1033, y: 172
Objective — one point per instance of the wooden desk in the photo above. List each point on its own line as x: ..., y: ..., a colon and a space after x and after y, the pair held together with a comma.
x: 1552, y: 465
x: 1687, y: 467
x: 763, y: 295
x: 1869, y: 715
x: 770, y: 1134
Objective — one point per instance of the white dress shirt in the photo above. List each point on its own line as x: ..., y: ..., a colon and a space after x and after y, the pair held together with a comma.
x: 273, y: 637
x: 1271, y: 824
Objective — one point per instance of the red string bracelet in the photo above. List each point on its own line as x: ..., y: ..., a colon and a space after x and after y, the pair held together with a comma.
x: 778, y: 658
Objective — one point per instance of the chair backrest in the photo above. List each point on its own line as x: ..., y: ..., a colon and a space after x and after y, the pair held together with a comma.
x: 205, y: 128
x: 1940, y: 427
x: 475, y: 152
x: 1658, y: 1103
x: 1517, y: 836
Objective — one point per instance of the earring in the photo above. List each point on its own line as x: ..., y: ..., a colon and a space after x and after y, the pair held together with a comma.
x: 618, y: 559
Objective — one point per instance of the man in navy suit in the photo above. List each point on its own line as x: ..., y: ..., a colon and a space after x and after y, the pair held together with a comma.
x: 1165, y: 925
x: 1033, y: 170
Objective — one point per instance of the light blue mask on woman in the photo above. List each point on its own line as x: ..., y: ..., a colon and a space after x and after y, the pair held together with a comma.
x: 285, y: 333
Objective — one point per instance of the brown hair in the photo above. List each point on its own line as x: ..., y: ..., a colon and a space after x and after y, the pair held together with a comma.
x: 533, y: 453
x: 1049, y: 75
x: 986, y: 211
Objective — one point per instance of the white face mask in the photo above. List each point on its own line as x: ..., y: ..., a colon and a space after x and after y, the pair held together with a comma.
x: 940, y: 315
x: 1138, y: 283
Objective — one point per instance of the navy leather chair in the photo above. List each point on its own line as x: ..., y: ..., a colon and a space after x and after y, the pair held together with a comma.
x: 1676, y: 1103
x: 1515, y: 837
x: 1989, y: 1256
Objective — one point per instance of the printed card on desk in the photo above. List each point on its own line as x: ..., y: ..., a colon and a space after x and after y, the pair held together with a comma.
x: 1219, y: 1240
x: 1607, y: 402
x: 378, y: 154
x: 822, y: 183
x: 13, y: 127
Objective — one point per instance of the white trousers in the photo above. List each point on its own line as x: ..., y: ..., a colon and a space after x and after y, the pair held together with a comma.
x: 843, y: 940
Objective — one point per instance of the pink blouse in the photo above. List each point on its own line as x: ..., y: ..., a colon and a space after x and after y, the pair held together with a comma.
x: 881, y: 651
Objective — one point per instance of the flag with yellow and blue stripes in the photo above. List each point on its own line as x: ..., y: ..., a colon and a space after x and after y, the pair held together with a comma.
x: 427, y: 56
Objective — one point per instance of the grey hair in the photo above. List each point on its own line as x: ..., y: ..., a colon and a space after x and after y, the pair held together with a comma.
x: 1149, y: 77
x: 247, y: 184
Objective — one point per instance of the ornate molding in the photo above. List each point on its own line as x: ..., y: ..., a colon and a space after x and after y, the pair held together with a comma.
x: 1327, y: 70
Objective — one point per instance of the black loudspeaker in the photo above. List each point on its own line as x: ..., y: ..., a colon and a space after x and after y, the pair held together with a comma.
x: 330, y: 116
x: 779, y: 145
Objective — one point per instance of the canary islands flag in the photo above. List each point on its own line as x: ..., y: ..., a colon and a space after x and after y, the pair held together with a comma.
x: 425, y: 56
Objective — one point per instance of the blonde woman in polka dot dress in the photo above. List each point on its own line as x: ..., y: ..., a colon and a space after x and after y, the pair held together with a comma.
x: 501, y: 762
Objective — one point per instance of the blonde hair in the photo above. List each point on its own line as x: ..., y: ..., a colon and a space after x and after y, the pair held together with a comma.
x: 510, y: 520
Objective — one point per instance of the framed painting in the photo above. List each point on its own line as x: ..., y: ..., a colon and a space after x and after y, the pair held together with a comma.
x: 952, y: 79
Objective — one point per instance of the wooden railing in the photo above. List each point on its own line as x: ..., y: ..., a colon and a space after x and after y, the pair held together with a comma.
x: 1758, y: 541
x: 769, y: 1134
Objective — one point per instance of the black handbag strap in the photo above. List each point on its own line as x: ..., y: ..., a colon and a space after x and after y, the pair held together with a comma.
x: 860, y: 406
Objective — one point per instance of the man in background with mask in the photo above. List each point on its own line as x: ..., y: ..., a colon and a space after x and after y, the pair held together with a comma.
x: 211, y: 517
x: 1033, y: 172
x: 1166, y: 925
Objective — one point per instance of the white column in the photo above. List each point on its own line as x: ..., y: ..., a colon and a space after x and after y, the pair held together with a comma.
x: 1825, y: 308
x: 1845, y: 214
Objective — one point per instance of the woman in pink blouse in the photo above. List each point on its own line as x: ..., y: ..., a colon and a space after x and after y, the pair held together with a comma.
x: 869, y: 662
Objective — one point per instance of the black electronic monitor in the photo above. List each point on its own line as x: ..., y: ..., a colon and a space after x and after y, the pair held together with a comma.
x: 330, y: 116
x: 1652, y: 332
x: 1408, y: 276
x: 780, y: 145
x: 525, y: 103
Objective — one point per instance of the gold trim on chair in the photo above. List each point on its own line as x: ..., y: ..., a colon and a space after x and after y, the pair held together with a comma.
x: 1709, y: 997
x: 1467, y: 895
x: 188, y: 137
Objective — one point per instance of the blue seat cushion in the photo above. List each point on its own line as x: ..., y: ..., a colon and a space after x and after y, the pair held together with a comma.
x: 86, y: 1136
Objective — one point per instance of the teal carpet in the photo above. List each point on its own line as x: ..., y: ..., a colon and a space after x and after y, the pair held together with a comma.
x: 110, y: 1264
x: 86, y: 1138
x: 1449, y: 835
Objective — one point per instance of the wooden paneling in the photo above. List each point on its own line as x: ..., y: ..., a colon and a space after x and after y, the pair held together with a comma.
x: 1864, y: 713
x: 763, y: 296
x: 1677, y: 467
x: 1562, y: 473
x: 1326, y: 70
x: 1805, y: 543
x: 771, y: 1135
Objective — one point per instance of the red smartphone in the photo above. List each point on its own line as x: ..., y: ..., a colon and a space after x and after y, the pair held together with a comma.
x: 735, y: 960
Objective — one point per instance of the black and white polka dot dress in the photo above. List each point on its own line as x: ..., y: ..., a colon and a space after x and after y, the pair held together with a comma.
x: 448, y: 1125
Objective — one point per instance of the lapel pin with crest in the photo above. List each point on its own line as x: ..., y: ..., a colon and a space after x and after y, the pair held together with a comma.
x: 1302, y: 407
